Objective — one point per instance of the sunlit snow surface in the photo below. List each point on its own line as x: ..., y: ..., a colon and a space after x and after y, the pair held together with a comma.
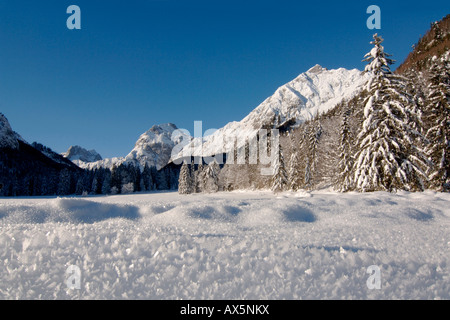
x: 238, y: 245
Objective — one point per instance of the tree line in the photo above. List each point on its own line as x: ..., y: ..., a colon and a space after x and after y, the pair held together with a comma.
x: 30, y: 173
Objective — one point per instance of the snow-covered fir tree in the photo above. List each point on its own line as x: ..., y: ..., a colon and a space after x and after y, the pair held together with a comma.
x: 314, y: 137
x: 345, y: 180
x: 307, y: 174
x: 388, y: 156
x: 211, y: 177
x: 314, y: 133
x: 279, y: 178
x: 303, y: 153
x: 437, y: 113
x: 128, y: 188
x: 199, y: 178
x: 294, y: 173
x: 193, y: 177
x: 184, y: 181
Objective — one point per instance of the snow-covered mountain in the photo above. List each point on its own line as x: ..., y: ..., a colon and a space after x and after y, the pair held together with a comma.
x: 153, y: 148
x: 316, y: 91
x: 79, y: 153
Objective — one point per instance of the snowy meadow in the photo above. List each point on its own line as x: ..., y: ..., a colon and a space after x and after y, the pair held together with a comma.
x: 227, y: 245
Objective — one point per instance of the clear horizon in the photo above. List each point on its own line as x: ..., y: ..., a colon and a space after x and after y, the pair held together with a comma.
x: 143, y: 63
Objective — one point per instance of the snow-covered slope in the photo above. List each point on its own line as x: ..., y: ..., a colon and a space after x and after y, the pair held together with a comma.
x: 79, y: 153
x: 8, y: 138
x: 153, y: 148
x: 230, y: 245
x: 314, y: 92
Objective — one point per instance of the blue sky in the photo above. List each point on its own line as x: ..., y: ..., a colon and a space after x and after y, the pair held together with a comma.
x: 138, y: 63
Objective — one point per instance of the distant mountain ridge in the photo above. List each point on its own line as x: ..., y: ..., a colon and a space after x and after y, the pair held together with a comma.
x: 152, y: 149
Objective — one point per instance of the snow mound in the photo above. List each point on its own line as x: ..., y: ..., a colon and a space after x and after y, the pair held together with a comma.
x: 66, y: 210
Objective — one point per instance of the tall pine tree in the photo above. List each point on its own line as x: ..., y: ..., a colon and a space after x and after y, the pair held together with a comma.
x: 314, y: 133
x: 193, y: 176
x: 308, y: 184
x: 279, y: 178
x: 211, y: 177
x: 388, y: 157
x: 293, y: 174
x: 344, y: 181
x: 184, y: 181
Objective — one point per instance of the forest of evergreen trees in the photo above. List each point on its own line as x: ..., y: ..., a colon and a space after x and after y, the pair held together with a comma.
x: 35, y: 170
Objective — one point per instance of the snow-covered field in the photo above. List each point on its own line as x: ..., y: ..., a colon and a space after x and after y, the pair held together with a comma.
x: 238, y: 245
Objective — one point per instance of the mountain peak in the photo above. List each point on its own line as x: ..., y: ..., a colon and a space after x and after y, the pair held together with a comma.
x: 317, y: 69
x: 8, y: 138
x: 154, y: 146
x: 79, y: 153
x: 160, y: 128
